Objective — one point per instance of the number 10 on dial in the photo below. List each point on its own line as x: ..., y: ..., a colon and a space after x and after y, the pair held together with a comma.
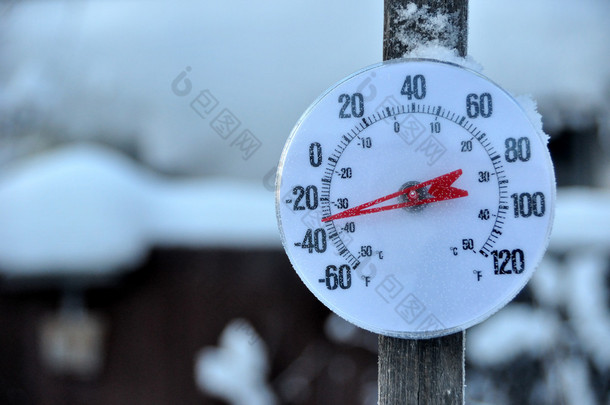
x: 415, y: 198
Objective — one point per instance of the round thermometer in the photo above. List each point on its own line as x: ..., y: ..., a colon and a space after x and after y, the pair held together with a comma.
x: 415, y: 198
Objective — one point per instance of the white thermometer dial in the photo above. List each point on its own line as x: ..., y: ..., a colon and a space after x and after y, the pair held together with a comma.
x: 415, y: 198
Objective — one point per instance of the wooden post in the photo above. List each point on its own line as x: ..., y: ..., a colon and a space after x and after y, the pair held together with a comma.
x: 427, y: 371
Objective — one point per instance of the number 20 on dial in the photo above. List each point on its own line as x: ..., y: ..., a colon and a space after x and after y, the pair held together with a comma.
x: 415, y: 198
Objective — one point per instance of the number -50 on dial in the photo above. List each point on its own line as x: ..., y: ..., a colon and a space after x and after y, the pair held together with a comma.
x: 415, y: 198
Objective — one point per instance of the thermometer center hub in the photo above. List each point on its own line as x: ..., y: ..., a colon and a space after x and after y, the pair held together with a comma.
x: 413, y: 195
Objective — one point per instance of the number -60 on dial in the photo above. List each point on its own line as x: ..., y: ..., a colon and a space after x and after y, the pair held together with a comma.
x: 415, y: 198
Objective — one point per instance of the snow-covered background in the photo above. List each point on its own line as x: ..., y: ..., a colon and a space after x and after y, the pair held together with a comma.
x: 103, y: 70
x: 107, y: 143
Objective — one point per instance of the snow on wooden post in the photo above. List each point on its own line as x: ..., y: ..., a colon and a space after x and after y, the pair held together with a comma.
x: 428, y: 371
x: 409, y: 24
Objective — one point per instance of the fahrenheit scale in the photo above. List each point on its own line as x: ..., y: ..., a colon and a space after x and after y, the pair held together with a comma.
x: 415, y: 198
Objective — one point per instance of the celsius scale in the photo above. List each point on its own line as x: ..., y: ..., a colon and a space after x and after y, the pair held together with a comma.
x: 415, y: 198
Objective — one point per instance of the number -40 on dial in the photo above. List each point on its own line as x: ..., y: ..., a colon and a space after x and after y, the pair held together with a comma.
x: 415, y: 198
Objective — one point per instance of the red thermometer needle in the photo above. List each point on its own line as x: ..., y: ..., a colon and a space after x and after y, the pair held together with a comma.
x: 439, y: 188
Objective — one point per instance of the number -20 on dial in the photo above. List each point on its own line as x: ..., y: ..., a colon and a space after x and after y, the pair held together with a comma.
x: 415, y: 198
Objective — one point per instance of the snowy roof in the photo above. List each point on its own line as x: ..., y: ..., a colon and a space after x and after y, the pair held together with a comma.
x: 86, y: 209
